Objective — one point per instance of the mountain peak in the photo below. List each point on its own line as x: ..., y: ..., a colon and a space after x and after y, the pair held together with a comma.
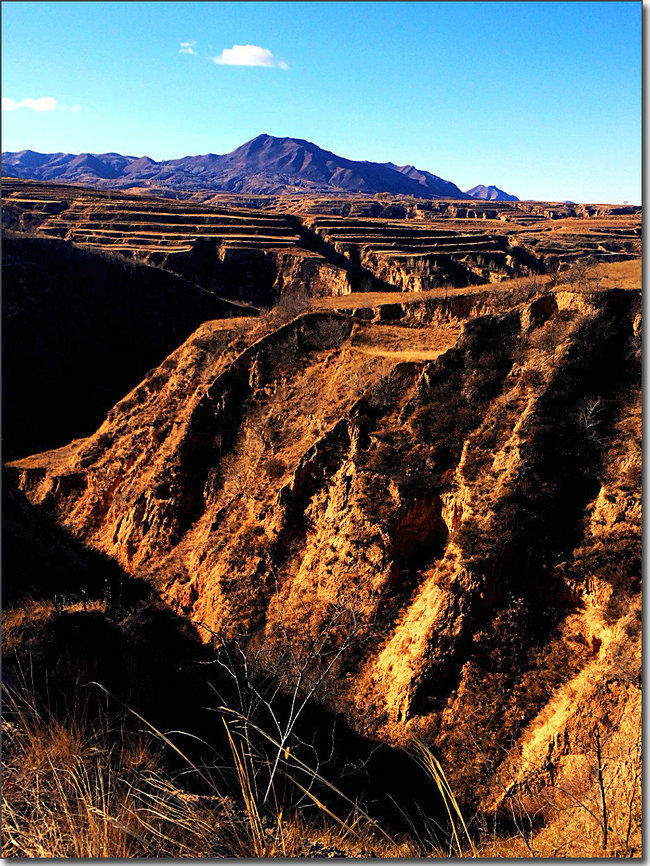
x: 490, y: 193
x: 266, y: 164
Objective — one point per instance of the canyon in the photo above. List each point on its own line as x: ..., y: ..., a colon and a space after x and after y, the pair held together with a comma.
x: 255, y: 247
x: 391, y: 441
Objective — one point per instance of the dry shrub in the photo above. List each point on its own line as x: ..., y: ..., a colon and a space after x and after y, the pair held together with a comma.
x: 532, y: 377
x: 549, y: 336
x: 331, y: 332
x: 517, y: 291
x: 582, y: 276
x: 632, y: 475
x: 289, y: 305
x: 274, y: 467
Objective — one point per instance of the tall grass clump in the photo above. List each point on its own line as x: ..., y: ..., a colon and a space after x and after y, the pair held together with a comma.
x: 88, y: 786
x: 104, y: 757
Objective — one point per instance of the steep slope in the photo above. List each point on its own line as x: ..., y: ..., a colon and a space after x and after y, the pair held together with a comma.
x: 266, y: 164
x: 443, y: 514
x: 490, y: 193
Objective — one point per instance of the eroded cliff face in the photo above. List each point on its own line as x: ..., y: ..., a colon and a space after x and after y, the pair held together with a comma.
x: 257, y: 249
x: 446, y: 507
x: 259, y: 276
x: 418, y: 273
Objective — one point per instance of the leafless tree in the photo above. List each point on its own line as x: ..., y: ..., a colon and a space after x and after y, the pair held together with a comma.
x: 590, y: 417
x: 277, y: 676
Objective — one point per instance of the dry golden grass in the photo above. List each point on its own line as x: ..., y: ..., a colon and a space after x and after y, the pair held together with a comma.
x: 625, y: 275
x: 572, y: 224
x: 406, y: 344
x: 622, y: 275
x: 376, y: 299
x: 75, y: 789
x: 95, y: 780
x: 68, y: 792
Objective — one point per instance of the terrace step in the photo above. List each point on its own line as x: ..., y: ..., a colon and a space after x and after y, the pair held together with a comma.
x: 143, y: 228
x: 407, y: 242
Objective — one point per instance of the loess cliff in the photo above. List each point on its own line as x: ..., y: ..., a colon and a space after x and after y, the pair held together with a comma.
x: 256, y: 249
x: 436, y: 501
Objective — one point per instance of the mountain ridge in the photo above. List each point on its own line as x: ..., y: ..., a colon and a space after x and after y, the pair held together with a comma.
x: 264, y: 165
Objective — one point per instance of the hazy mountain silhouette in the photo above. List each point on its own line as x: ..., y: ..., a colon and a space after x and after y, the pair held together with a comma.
x: 490, y: 193
x: 266, y: 164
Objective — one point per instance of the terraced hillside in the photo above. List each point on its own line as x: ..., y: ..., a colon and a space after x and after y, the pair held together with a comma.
x: 239, y: 253
x: 411, y: 207
x: 436, y: 507
x: 600, y: 238
x: 416, y: 256
x: 256, y: 247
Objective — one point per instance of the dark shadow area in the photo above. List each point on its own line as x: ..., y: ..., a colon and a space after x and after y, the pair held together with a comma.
x: 80, y: 330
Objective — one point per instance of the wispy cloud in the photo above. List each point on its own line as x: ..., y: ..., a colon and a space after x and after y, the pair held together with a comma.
x: 249, y: 55
x: 187, y: 48
x: 44, y: 103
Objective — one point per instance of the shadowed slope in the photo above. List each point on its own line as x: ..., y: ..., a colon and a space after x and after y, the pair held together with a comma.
x: 79, y: 329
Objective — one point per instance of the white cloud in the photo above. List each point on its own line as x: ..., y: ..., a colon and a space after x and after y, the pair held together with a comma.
x: 45, y: 103
x: 187, y: 48
x: 75, y: 109
x: 249, y: 55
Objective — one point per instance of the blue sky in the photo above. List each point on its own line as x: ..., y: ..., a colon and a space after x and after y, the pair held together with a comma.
x: 540, y: 98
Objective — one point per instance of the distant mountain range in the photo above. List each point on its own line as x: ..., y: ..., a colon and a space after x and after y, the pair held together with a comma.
x: 490, y: 193
x: 264, y: 165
